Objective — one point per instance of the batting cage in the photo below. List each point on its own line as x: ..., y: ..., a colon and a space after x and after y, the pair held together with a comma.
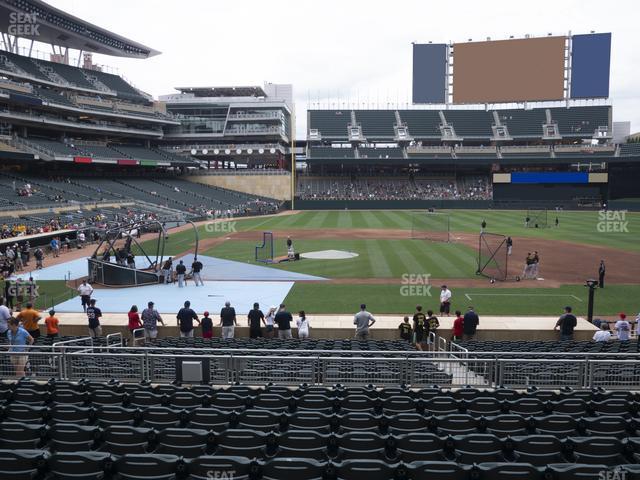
x: 536, y: 218
x: 430, y: 226
x: 264, y: 252
x: 492, y: 256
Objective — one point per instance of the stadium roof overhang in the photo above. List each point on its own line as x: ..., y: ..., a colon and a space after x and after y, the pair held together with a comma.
x: 38, y: 21
x: 250, y: 91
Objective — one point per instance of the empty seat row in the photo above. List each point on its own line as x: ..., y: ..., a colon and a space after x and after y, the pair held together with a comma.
x: 466, y: 449
x: 354, y: 402
x: 266, y: 421
x: 36, y: 465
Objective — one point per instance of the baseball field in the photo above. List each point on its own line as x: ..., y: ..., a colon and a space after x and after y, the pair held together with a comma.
x: 392, y: 272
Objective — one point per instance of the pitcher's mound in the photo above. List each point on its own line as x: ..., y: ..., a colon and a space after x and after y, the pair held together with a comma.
x: 329, y: 255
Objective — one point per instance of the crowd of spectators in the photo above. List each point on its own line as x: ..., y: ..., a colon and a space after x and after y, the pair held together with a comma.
x: 344, y: 188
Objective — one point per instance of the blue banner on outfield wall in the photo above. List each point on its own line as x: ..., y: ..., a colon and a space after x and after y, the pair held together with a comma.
x: 549, y: 177
x: 429, y: 72
x: 590, y: 62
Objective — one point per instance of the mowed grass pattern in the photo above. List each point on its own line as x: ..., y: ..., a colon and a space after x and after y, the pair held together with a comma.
x: 579, y: 227
x: 376, y: 258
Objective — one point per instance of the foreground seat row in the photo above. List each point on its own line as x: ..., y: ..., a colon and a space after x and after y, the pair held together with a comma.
x: 468, y: 449
x: 37, y: 465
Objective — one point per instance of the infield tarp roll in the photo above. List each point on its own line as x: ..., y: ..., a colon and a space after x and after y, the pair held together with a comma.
x: 590, y: 65
x: 429, y: 73
x: 530, y: 69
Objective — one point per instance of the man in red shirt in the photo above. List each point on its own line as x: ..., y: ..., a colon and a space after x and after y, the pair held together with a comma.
x: 457, y: 329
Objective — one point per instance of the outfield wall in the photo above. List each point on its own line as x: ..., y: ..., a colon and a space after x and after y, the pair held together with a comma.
x: 513, y: 204
x: 271, y: 186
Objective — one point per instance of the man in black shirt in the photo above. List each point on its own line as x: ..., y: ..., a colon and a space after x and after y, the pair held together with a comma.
x: 566, y: 323
x: 93, y: 317
x: 255, y: 317
x: 185, y: 317
x: 228, y: 320
x: 283, y: 320
x: 601, y: 272
x: 181, y: 270
x: 196, y: 268
x: 470, y: 324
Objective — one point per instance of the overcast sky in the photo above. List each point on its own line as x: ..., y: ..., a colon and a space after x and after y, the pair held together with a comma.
x: 344, y: 50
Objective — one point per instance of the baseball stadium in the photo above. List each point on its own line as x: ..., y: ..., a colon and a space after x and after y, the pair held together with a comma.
x: 222, y: 282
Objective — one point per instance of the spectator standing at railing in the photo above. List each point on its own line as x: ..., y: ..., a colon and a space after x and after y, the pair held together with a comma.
x: 623, y: 327
x: 254, y: 319
x: 303, y: 325
x: 406, y: 332
x: 283, y: 319
x: 93, y: 317
x: 185, y: 317
x: 150, y: 319
x: 604, y: 334
x: 458, y: 327
x: 134, y: 320
x: 228, y: 320
x: 30, y: 317
x: 470, y: 324
x: 18, y: 338
x: 207, y: 325
x: 420, y: 327
x: 52, y: 324
x: 363, y: 320
x: 566, y: 324
x: 5, y: 315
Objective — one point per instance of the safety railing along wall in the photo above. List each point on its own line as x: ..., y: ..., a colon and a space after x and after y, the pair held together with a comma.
x: 81, y: 360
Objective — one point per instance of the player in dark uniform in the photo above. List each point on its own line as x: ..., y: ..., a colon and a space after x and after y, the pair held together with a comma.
x: 601, y: 272
x: 406, y: 332
x: 420, y: 327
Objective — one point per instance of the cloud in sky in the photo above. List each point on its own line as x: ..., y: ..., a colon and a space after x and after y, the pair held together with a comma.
x: 341, y: 50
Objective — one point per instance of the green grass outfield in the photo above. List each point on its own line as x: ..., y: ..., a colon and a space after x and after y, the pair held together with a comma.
x: 398, y: 299
x: 393, y: 258
x: 580, y: 227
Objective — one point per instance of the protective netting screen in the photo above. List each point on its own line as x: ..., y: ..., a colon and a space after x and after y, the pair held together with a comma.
x: 536, y: 218
x: 264, y: 251
x: 492, y: 256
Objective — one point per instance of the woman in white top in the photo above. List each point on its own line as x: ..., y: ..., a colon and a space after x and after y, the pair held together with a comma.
x: 268, y: 320
x: 604, y: 334
x: 303, y: 325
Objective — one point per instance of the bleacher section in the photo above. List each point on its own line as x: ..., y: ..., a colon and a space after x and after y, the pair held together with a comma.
x: 470, y: 124
x: 111, y: 151
x: 376, y: 123
x: 330, y: 123
x: 330, y: 152
x: 380, y: 152
x: 68, y: 76
x: 393, y: 188
x: 630, y: 149
x: 422, y: 123
x: 476, y: 125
